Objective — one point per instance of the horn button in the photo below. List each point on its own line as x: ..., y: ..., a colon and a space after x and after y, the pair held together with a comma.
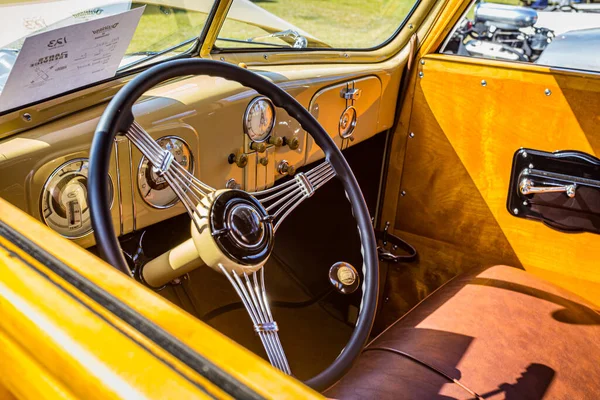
x: 241, y: 227
x: 245, y: 225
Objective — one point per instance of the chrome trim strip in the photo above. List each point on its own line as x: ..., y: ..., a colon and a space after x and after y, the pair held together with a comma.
x: 119, y: 194
x: 131, y: 184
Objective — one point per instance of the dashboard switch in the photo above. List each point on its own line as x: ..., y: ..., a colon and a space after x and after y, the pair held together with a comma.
x: 232, y: 184
x: 276, y: 141
x: 241, y: 160
x: 293, y: 143
x: 284, y: 168
x: 258, y: 147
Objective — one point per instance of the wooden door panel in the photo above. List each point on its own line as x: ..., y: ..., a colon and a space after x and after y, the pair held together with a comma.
x: 468, y: 118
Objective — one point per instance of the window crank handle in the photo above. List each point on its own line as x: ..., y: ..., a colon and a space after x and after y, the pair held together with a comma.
x: 527, y: 187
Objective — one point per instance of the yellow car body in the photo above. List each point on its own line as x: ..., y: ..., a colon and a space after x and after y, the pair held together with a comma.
x: 71, y: 326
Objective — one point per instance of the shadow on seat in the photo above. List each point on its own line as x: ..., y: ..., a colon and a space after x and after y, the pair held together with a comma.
x: 499, y: 332
x: 536, y: 380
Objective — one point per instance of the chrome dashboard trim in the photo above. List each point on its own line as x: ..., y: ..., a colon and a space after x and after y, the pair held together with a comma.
x: 131, y: 178
x: 119, y: 194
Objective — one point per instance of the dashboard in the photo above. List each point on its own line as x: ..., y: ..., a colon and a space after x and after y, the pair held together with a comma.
x: 224, y: 134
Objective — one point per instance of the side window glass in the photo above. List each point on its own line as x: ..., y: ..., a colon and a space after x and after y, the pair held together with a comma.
x: 556, y: 33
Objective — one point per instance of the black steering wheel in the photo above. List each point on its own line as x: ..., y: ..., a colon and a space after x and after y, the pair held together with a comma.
x: 233, y: 230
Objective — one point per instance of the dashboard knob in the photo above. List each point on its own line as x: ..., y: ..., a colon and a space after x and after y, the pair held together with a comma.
x: 264, y: 161
x: 232, y: 184
x: 276, y: 141
x: 241, y: 160
x: 344, y: 277
x: 258, y: 147
x: 293, y: 143
x: 284, y: 168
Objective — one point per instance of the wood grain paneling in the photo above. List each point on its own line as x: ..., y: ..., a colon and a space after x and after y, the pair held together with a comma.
x: 441, y: 213
x: 457, y: 167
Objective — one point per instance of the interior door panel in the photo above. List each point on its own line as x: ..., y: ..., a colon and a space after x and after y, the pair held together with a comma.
x: 468, y: 118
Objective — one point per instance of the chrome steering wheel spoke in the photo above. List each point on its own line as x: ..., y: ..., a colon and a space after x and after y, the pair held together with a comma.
x: 253, y: 294
x: 189, y: 189
x: 277, y: 203
x: 280, y: 201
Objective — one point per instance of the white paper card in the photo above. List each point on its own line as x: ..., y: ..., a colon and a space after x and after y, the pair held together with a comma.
x: 63, y: 59
x: 21, y: 19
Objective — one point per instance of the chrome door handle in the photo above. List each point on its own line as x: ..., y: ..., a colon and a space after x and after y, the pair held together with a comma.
x: 351, y: 93
x: 527, y: 187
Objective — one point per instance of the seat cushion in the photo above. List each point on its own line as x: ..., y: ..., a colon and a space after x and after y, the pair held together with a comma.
x: 500, y: 332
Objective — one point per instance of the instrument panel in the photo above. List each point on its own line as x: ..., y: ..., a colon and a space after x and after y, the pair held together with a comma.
x: 64, y: 205
x: 154, y: 189
x: 259, y: 119
x: 236, y: 139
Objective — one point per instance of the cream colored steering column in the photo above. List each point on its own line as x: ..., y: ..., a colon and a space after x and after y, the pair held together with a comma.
x: 245, y: 223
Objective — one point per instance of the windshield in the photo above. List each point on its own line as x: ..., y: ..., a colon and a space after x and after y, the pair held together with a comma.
x: 161, y: 29
x: 334, y: 24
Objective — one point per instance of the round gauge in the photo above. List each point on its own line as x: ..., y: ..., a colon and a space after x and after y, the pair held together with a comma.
x: 153, y: 188
x: 259, y: 119
x: 64, y: 205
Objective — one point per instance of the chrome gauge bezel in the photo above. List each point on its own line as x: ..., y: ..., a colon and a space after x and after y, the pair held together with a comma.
x: 347, y: 132
x: 137, y: 176
x: 245, y: 124
x: 45, y: 189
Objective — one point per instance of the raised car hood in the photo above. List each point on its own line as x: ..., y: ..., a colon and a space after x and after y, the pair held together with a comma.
x: 561, y: 22
x: 578, y: 49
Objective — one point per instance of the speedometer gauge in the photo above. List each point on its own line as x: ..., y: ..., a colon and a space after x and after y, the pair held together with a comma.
x: 64, y: 205
x: 259, y: 119
x: 153, y: 188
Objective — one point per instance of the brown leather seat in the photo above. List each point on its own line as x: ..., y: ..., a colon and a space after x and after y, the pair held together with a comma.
x: 500, y: 332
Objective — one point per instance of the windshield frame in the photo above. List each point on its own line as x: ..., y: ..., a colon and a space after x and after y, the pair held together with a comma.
x: 126, y: 70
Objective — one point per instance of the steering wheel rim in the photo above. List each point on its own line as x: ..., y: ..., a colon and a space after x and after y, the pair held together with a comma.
x: 118, y: 117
